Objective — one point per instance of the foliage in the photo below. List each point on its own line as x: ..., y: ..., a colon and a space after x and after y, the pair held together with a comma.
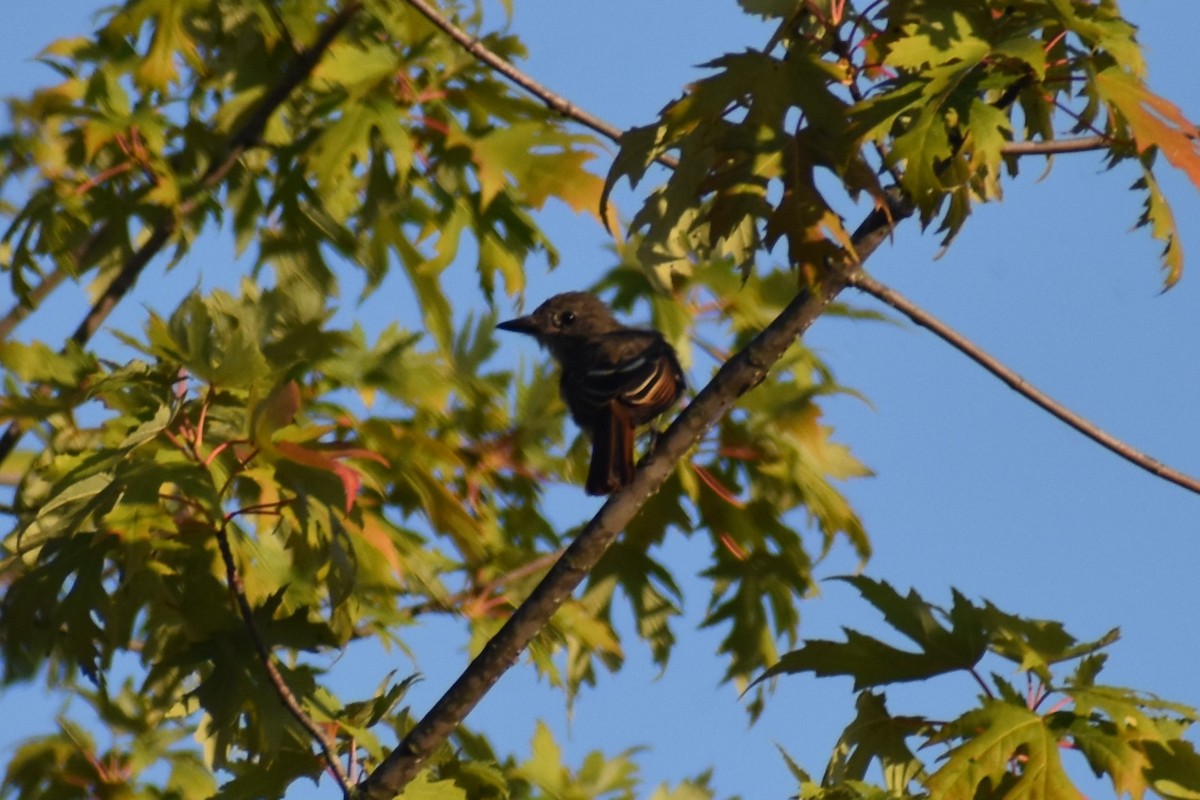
x: 937, y: 88
x: 1012, y: 743
x: 259, y: 488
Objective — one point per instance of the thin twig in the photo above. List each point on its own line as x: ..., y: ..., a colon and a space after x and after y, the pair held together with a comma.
x: 244, y: 137
x: 1054, y: 146
x: 552, y: 100
x: 869, y: 285
x: 328, y: 747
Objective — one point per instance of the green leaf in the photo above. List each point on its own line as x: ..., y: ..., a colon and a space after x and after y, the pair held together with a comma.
x: 1158, y: 217
x: 1003, y: 750
x: 86, y: 488
x: 1154, y: 123
x: 1122, y: 732
x: 872, y: 662
x: 875, y: 735
x: 424, y: 787
x: 1101, y: 27
x: 359, y: 66
x: 1036, y: 645
x: 1174, y: 769
x: 541, y: 161
x: 940, y: 35
x: 545, y: 768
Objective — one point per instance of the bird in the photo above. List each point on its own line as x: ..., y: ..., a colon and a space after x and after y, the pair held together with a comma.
x: 614, y: 378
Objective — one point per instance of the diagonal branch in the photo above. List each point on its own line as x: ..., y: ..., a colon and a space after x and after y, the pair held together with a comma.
x: 244, y: 137
x: 868, y: 285
x: 737, y: 376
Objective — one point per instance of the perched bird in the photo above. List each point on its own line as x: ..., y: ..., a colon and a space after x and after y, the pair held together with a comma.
x: 614, y: 378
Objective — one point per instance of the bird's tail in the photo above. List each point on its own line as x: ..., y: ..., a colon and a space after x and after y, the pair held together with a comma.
x: 612, y: 451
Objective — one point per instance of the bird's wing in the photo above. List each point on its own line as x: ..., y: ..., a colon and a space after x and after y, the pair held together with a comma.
x: 641, y: 373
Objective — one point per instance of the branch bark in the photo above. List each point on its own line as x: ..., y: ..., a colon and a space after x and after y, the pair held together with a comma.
x: 28, y: 304
x: 1074, y: 145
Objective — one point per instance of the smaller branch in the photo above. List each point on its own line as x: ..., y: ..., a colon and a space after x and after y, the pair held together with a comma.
x: 328, y: 747
x: 179, y: 443
x: 868, y: 285
x: 102, y: 176
x: 195, y: 505
x: 480, y: 51
x: 1054, y: 146
x: 1063, y: 107
x: 121, y: 284
x: 552, y: 100
x: 216, y: 451
x: 843, y: 47
x: 523, y: 571
x: 987, y: 692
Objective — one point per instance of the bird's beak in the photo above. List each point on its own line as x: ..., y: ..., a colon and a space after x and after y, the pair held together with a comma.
x: 524, y: 324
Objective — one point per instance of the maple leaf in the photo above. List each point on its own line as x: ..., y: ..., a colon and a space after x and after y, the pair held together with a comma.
x: 1006, y: 750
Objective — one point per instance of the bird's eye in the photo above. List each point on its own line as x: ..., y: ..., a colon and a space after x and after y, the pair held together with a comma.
x: 566, y: 318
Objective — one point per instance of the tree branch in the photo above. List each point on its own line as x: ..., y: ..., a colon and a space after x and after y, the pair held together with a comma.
x: 1054, y: 146
x: 327, y: 746
x: 869, y: 285
x: 552, y: 100
x: 244, y: 137
x: 736, y: 377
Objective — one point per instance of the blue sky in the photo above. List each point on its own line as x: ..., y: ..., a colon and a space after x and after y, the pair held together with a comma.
x: 974, y: 487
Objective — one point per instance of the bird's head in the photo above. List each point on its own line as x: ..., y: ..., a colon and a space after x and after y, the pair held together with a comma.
x: 565, y: 315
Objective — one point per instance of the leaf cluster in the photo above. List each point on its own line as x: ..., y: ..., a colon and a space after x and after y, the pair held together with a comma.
x: 1016, y: 741
x: 934, y: 93
x: 397, y: 148
x: 241, y: 429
